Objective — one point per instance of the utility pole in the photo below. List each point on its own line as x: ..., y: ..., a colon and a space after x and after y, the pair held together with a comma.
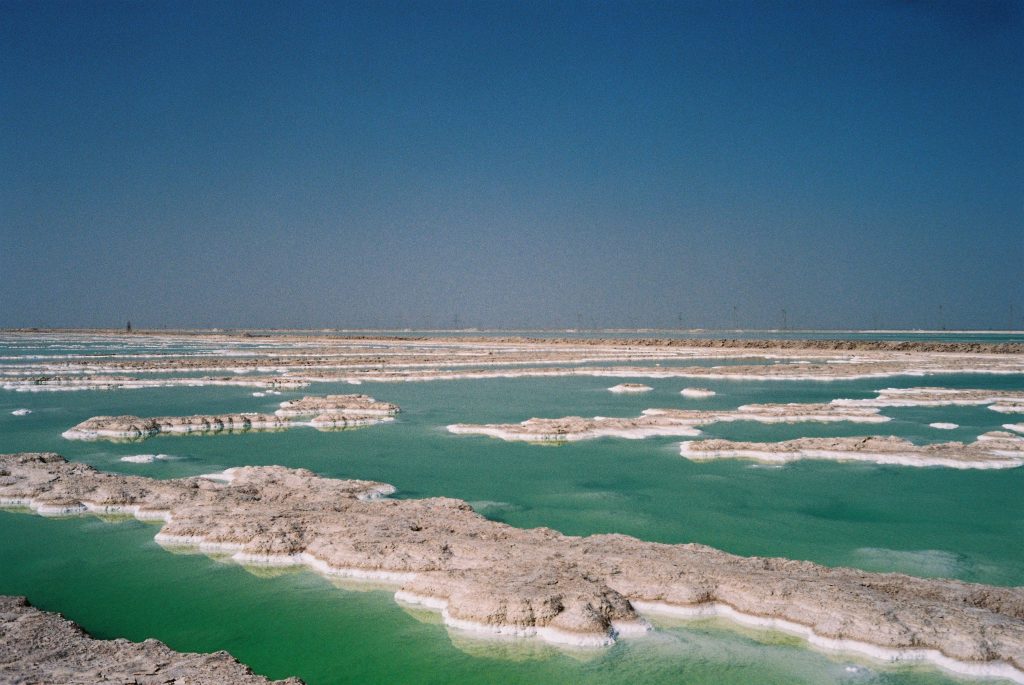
x: 784, y: 326
x: 735, y: 319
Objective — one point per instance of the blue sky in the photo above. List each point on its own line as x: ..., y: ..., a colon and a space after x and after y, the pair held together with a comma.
x: 857, y: 164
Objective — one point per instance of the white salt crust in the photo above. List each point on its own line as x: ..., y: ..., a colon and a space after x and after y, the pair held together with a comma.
x: 146, y: 458
x: 66, y: 385
x: 627, y: 434
x: 630, y: 388
x: 685, y: 427
x: 937, y: 397
x: 546, y: 633
x: 319, y: 423
x: 886, y: 458
x: 999, y: 669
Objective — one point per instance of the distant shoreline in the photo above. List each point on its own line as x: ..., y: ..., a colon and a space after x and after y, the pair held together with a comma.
x: 323, y: 335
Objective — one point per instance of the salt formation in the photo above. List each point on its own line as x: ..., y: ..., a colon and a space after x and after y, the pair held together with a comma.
x: 40, y: 647
x: 330, y: 412
x: 494, y: 578
x: 276, y: 362
x: 630, y: 387
x: 352, y: 405
x: 664, y: 422
x: 136, y: 428
x: 995, y: 450
x: 935, y: 397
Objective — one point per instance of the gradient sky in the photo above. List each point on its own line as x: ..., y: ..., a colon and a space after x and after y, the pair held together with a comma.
x: 858, y: 164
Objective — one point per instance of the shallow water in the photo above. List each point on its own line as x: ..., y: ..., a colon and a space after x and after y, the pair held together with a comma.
x: 116, y: 581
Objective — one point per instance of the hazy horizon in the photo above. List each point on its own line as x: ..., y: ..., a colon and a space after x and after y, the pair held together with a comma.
x: 504, y: 165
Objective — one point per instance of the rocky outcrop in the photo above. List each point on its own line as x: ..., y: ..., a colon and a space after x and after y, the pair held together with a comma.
x: 491, y: 577
x: 994, y: 450
x: 664, y: 422
x: 41, y: 647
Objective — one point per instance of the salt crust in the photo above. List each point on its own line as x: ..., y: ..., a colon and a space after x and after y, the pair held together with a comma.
x: 145, y: 458
x: 718, y: 610
x: 551, y: 635
x: 330, y: 412
x: 630, y: 388
x: 993, y: 450
x: 664, y: 422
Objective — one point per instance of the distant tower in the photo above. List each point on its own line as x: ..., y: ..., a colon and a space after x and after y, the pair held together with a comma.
x: 128, y: 327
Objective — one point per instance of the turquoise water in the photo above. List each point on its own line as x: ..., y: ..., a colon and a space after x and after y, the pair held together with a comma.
x: 115, y: 581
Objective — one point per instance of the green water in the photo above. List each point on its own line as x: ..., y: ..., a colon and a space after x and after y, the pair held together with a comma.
x: 115, y: 581
x: 111, y: 577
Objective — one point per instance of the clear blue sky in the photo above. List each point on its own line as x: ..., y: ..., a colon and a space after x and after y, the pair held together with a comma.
x: 374, y: 163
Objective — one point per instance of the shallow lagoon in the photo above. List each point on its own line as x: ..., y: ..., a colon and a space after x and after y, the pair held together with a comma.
x: 116, y: 582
